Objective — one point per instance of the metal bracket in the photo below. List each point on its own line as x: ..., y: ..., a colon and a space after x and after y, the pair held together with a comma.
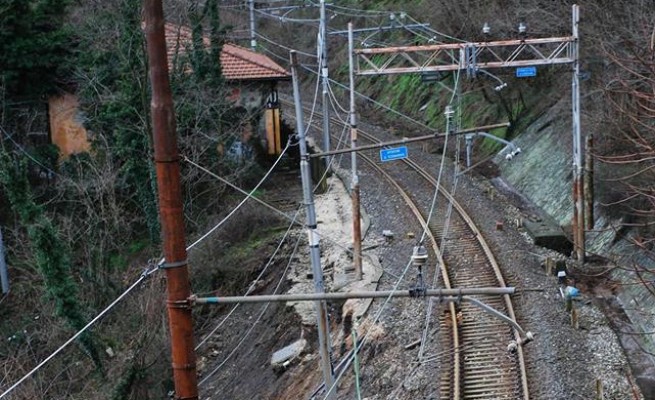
x: 180, y: 304
x: 175, y: 264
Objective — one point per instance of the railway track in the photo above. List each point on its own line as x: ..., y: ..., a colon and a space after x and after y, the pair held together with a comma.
x: 478, y: 365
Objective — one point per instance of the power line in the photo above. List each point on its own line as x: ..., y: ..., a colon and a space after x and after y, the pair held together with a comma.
x: 231, y: 213
x: 261, y: 314
x: 34, y: 160
x: 143, y: 276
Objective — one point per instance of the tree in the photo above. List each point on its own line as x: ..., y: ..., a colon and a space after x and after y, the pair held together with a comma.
x: 36, y: 46
x: 115, y: 94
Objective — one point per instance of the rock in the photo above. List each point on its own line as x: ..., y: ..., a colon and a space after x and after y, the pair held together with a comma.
x: 284, y: 356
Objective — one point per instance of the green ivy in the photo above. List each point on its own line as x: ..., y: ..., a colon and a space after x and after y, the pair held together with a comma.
x: 50, y: 252
x: 121, y: 112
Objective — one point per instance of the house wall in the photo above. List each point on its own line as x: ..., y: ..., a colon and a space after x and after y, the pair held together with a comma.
x: 66, y: 129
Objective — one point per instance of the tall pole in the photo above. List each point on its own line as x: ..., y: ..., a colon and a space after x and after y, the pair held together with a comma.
x: 305, y: 173
x: 323, y: 51
x: 4, y: 277
x: 253, y: 37
x: 354, y: 185
x: 589, y: 182
x: 170, y: 207
x: 578, y: 190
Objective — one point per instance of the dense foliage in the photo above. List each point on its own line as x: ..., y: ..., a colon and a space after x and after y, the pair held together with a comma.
x: 36, y: 46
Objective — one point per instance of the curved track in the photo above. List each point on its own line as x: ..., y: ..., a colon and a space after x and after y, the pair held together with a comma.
x: 480, y: 366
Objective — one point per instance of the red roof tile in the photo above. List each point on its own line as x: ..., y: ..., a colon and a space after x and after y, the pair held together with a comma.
x: 238, y: 63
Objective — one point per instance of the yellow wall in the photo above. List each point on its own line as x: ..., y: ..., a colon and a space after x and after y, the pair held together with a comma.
x: 66, y: 132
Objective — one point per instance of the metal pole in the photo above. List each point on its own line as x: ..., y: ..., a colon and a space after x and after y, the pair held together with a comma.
x: 323, y: 50
x: 578, y: 191
x: 305, y: 173
x: 589, y: 182
x: 354, y: 185
x: 4, y: 276
x: 267, y: 298
x: 253, y: 37
x: 170, y: 207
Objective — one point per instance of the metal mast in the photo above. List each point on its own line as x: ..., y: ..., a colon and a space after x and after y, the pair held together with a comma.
x: 170, y: 206
x: 323, y: 54
x: 305, y: 173
x: 578, y: 154
x: 253, y: 37
x: 354, y: 185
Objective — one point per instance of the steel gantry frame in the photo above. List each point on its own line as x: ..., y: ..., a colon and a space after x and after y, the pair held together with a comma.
x: 474, y: 57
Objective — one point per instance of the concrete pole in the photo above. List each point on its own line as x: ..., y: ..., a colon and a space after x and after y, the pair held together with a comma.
x: 170, y: 207
x: 323, y: 51
x: 354, y: 185
x: 4, y: 276
x: 253, y: 36
x: 589, y: 182
x: 578, y: 189
x: 305, y: 173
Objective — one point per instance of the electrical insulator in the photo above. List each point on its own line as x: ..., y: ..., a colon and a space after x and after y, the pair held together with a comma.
x: 419, y: 256
x: 486, y: 29
x: 522, y: 28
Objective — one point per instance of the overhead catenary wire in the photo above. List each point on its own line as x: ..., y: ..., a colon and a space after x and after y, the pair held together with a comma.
x: 259, y: 317
x: 250, y: 195
x: 349, y: 359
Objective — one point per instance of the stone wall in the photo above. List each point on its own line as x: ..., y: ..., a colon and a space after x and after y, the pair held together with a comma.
x: 543, y: 174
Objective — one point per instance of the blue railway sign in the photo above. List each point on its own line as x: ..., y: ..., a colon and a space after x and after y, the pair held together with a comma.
x: 395, y: 153
x: 526, y: 72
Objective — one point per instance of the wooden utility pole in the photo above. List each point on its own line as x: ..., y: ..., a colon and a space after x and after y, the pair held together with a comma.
x: 474, y: 57
x: 170, y: 206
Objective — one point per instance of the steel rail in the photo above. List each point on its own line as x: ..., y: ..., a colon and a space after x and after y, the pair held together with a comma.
x: 457, y: 382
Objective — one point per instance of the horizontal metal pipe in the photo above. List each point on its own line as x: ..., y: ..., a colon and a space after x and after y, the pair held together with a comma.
x: 410, y: 140
x: 446, y: 294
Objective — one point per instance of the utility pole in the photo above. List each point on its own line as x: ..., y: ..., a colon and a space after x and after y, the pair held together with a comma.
x: 170, y: 206
x: 474, y: 57
x: 589, y: 182
x: 323, y: 54
x: 4, y: 277
x: 578, y: 152
x: 317, y: 271
x: 253, y: 36
x: 354, y: 185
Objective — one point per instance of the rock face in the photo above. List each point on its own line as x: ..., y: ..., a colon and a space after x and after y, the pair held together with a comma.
x: 543, y: 174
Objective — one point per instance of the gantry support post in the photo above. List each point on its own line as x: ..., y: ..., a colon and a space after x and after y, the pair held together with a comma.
x: 578, y: 153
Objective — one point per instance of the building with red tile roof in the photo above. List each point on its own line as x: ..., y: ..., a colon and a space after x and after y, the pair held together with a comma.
x: 238, y: 63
